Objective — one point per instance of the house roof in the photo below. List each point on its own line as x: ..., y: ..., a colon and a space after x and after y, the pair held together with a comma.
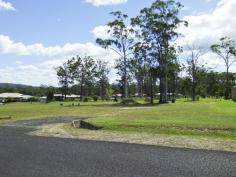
x: 58, y: 95
x: 73, y: 96
x: 14, y: 95
x: 11, y: 95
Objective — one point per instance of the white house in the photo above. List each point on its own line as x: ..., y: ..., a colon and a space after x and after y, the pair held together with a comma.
x: 4, y: 97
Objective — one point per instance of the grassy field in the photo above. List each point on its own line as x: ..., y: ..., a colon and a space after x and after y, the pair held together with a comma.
x: 207, y: 118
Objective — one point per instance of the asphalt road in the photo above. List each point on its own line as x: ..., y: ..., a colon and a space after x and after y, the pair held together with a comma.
x: 22, y: 155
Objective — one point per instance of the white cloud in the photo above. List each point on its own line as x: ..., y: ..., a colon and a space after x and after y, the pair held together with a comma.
x: 98, y: 3
x: 52, y: 56
x: 6, y: 6
x: 31, y: 74
x: 36, y: 74
x: 8, y: 46
x: 101, y: 32
x: 205, y: 29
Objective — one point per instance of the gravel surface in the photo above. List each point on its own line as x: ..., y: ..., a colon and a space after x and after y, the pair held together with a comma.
x: 40, y: 122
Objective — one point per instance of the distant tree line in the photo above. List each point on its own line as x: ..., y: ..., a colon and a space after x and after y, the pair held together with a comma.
x: 40, y: 91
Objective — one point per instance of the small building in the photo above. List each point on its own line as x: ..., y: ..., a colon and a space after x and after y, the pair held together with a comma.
x: 26, y: 97
x: 117, y: 95
x: 72, y: 97
x: 43, y: 99
x: 13, y: 97
x: 234, y: 93
x: 58, y: 97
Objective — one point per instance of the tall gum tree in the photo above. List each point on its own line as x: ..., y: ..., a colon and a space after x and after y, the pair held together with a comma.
x: 226, y: 50
x: 120, y: 41
x: 158, y: 25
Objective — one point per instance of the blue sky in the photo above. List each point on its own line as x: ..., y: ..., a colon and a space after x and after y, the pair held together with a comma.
x: 66, y: 25
x: 55, y: 22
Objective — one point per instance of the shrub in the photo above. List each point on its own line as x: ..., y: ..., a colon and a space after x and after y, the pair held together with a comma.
x: 128, y: 101
x: 95, y: 98
x: 34, y: 99
x: 147, y: 99
x: 198, y: 98
x: 86, y: 99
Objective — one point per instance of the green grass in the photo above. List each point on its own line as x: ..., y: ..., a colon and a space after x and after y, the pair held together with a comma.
x: 207, y: 118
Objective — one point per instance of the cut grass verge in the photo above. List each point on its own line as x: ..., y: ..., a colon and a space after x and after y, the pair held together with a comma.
x: 208, y: 118
x: 67, y: 131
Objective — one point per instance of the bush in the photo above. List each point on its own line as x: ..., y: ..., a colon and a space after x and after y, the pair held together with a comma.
x: 198, y: 98
x: 128, y: 101
x: 147, y: 99
x: 95, y: 98
x: 86, y: 99
x: 34, y: 99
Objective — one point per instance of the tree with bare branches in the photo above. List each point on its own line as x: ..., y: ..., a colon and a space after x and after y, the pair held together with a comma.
x: 226, y: 50
x: 194, y: 66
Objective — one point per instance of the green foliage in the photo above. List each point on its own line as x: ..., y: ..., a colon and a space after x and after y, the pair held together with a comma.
x: 226, y: 50
x: 65, y: 76
x: 95, y: 98
x: 128, y: 101
x: 157, y: 26
x: 50, y: 95
x: 120, y: 40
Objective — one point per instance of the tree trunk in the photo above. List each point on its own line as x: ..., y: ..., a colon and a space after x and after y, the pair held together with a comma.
x: 163, y: 83
x: 82, y: 89
x: 227, y: 84
x: 163, y: 90
x: 140, y: 87
x: 194, y: 87
x: 151, y: 91
x: 125, y: 78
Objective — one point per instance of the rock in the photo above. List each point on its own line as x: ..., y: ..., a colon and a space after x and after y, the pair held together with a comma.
x: 84, y: 125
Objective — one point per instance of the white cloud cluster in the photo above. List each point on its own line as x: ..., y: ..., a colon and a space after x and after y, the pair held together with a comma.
x: 98, y: 3
x: 205, y: 29
x: 36, y: 74
x: 8, y: 46
x: 31, y: 74
x: 44, y: 73
x: 6, y: 6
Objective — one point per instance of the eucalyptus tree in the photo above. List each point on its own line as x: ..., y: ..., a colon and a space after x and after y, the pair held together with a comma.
x: 102, y: 72
x: 138, y: 65
x: 173, y: 70
x: 142, y: 66
x: 158, y: 25
x: 226, y: 50
x: 194, y: 66
x: 84, y: 72
x: 65, y: 76
x: 120, y: 41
